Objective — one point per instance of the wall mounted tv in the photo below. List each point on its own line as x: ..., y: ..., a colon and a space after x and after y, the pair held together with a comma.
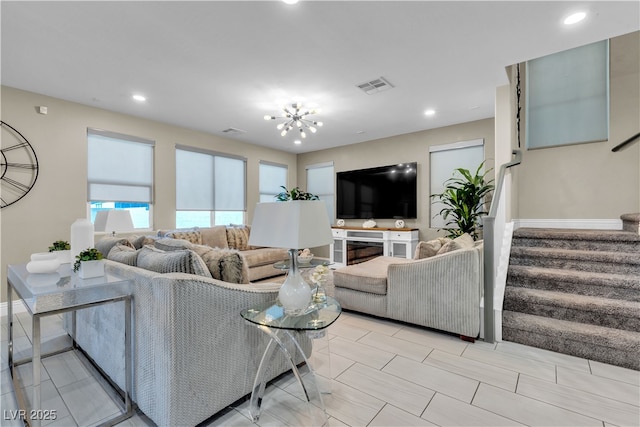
x: 380, y: 192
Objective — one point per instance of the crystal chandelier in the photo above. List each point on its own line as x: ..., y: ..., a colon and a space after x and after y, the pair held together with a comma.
x: 295, y: 116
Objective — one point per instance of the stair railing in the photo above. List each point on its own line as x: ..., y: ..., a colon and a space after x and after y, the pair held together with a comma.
x: 489, y: 249
x: 626, y: 142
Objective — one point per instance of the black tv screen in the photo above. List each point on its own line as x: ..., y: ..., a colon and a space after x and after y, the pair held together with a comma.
x: 378, y: 193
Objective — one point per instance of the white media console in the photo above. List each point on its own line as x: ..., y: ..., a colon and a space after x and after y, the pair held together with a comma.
x: 352, y: 245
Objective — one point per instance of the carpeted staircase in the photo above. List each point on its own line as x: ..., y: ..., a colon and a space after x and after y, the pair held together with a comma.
x: 575, y: 292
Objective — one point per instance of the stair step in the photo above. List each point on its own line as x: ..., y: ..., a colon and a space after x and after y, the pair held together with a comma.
x: 607, y: 285
x: 607, y: 345
x: 598, y: 240
x: 594, y: 261
x: 605, y: 312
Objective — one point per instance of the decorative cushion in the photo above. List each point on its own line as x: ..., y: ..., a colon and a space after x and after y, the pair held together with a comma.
x: 170, y: 244
x: 463, y: 241
x: 429, y: 248
x: 227, y: 265
x: 238, y: 237
x: 140, y: 241
x: 216, y: 237
x: 105, y: 244
x: 123, y: 254
x: 191, y: 236
x: 180, y: 261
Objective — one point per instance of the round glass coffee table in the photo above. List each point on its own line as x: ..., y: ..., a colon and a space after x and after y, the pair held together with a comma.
x: 283, y: 329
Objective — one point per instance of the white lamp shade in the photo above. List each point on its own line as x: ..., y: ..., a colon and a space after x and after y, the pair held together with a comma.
x: 113, y: 220
x: 295, y: 224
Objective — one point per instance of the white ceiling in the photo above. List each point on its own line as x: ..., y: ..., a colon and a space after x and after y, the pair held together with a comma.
x: 214, y: 65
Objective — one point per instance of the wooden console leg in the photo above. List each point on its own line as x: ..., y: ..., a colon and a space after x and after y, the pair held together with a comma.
x: 466, y: 338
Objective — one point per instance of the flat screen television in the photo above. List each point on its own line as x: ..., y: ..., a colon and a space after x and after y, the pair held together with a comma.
x: 378, y: 193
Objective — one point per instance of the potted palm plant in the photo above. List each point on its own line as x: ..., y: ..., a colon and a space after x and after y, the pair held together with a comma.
x: 89, y: 263
x: 465, y: 199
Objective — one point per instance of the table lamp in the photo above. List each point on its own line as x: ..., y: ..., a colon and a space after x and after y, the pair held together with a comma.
x: 294, y: 225
x: 114, y: 221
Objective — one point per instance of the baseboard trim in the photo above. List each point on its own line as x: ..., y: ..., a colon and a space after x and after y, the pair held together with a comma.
x: 588, y: 224
x: 18, y: 307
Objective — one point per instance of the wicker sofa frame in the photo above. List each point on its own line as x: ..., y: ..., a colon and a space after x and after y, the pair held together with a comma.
x: 441, y: 292
x: 193, y: 354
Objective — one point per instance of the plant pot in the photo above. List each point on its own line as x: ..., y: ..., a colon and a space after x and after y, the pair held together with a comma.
x: 91, y: 269
x: 64, y: 257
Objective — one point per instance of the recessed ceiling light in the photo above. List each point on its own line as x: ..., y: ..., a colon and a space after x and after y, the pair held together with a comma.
x: 297, y: 142
x: 290, y: 1
x: 574, y: 18
x: 430, y: 112
x: 139, y: 98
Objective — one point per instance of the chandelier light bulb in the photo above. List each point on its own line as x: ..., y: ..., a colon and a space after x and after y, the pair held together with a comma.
x: 293, y: 116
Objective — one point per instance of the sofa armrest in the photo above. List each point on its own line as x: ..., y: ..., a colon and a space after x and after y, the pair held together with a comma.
x: 441, y: 292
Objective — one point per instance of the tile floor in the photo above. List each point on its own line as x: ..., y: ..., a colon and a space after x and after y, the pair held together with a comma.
x: 383, y: 374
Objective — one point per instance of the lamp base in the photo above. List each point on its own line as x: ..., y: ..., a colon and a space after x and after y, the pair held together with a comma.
x: 295, y: 293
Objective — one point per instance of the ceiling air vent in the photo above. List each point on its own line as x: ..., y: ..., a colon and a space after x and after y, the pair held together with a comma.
x: 234, y: 131
x: 375, y: 86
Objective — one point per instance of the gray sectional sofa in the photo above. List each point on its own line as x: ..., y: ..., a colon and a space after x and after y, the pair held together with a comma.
x: 193, y: 354
x: 439, y: 290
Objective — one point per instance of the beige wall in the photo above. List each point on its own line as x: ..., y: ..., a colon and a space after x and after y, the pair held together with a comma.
x: 589, y: 181
x: 60, y: 193
x: 398, y: 149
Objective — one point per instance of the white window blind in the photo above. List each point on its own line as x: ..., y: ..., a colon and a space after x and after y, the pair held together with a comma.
x: 444, y: 160
x: 320, y: 181
x: 120, y: 167
x: 209, y: 181
x: 271, y: 176
x: 567, y: 97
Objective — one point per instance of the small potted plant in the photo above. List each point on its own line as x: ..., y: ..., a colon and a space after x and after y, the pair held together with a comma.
x: 89, y: 263
x: 62, y: 250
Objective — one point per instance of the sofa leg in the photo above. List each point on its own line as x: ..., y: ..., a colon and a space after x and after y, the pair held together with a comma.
x: 466, y: 338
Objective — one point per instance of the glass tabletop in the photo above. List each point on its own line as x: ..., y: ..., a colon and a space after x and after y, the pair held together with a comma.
x: 271, y: 314
x: 284, y: 264
x: 63, y: 289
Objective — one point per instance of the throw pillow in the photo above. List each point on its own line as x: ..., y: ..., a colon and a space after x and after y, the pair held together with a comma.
x: 216, y: 236
x: 227, y: 265
x: 238, y: 237
x: 169, y: 244
x: 430, y: 248
x: 181, y: 261
x: 123, y: 254
x: 140, y: 241
x: 463, y: 241
x: 105, y: 244
x: 191, y: 236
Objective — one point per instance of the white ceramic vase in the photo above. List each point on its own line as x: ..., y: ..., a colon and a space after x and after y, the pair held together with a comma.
x: 81, y: 236
x: 295, y: 293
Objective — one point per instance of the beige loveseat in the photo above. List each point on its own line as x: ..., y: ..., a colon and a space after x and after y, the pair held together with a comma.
x: 258, y: 260
x: 193, y: 354
x: 441, y: 291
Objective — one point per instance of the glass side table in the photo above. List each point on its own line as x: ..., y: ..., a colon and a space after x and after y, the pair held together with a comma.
x: 59, y: 292
x: 282, y: 329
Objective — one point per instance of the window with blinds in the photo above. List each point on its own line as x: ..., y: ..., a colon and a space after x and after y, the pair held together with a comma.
x: 321, y: 182
x: 120, y: 175
x: 272, y: 177
x: 210, y: 188
x: 567, y: 97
